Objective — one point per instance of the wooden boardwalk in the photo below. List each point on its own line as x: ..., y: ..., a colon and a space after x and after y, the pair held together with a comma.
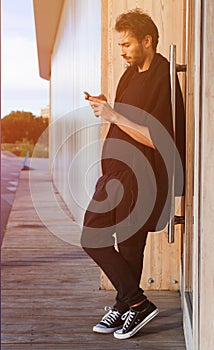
x: 50, y: 289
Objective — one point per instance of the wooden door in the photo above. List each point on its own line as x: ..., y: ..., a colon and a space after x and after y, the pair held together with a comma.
x: 162, y: 263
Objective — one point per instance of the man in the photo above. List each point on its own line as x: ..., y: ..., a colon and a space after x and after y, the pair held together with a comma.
x: 132, y: 195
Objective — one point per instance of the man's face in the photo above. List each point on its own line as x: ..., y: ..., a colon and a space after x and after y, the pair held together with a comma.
x: 131, y: 50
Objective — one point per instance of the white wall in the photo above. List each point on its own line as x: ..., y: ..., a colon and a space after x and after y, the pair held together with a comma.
x: 75, y: 67
x: 201, y: 96
x: 206, y: 178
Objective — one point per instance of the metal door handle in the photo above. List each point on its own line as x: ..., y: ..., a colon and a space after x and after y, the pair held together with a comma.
x: 173, y: 69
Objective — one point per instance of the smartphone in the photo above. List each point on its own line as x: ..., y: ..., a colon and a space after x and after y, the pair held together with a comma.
x: 87, y: 95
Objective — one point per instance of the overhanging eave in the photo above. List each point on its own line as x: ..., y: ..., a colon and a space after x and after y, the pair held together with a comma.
x: 47, y: 15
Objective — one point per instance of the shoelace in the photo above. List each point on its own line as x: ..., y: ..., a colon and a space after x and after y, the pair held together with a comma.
x: 111, y: 316
x: 128, y: 318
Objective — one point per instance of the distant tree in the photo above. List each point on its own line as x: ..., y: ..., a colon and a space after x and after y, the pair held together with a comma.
x: 20, y: 125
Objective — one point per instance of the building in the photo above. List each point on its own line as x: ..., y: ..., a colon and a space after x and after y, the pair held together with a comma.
x: 45, y: 112
x: 77, y: 51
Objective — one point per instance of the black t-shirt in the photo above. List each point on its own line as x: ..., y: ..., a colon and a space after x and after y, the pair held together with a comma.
x: 150, y: 92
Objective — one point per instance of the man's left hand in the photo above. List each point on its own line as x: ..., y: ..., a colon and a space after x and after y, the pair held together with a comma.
x: 103, y: 109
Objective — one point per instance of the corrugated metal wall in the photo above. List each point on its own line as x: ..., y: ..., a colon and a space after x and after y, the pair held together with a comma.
x: 75, y: 67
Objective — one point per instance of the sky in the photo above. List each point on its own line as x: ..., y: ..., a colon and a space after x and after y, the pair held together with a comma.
x: 22, y: 87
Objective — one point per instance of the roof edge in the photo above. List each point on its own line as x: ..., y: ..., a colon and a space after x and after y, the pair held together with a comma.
x: 47, y: 15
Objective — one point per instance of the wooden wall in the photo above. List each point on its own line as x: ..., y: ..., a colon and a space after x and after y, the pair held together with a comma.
x: 162, y: 261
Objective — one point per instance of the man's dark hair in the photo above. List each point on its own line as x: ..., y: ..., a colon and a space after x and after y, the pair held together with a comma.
x: 139, y: 24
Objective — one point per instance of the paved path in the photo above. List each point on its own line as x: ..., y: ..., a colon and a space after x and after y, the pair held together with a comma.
x: 50, y: 288
x: 10, y: 170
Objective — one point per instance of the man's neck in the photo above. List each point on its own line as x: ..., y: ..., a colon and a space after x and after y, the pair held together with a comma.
x: 147, y: 62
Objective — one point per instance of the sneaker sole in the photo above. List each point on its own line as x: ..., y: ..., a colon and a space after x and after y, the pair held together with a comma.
x: 105, y: 330
x: 138, y: 327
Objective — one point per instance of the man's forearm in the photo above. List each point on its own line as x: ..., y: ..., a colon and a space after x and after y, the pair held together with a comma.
x: 138, y: 132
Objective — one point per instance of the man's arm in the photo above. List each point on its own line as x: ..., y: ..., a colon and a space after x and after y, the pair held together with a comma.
x: 138, y: 132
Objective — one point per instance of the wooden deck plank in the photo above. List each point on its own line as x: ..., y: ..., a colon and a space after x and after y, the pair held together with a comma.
x: 91, y: 346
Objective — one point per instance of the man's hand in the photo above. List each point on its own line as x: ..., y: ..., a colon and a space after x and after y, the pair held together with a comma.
x: 102, y: 109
